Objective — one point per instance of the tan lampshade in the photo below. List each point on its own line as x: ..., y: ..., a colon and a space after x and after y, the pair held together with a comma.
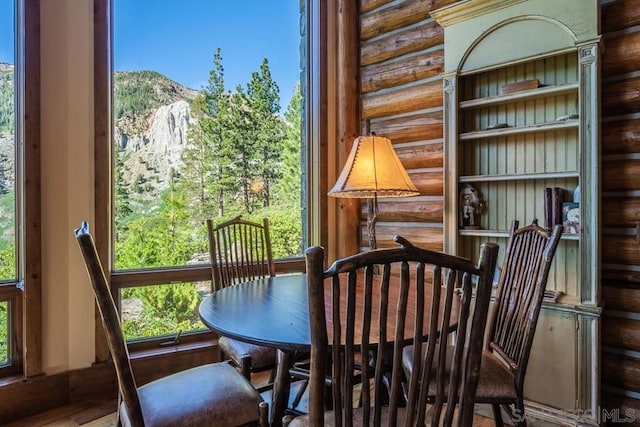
x: 373, y: 169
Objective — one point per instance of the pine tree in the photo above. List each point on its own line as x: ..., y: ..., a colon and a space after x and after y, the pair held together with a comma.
x: 199, y: 165
x: 122, y: 197
x: 239, y: 135
x: 289, y: 185
x: 264, y: 101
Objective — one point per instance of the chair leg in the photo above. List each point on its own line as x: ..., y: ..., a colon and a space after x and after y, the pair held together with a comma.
x: 497, y: 415
x: 263, y: 407
x: 520, y: 420
x: 245, y: 366
x: 299, y: 394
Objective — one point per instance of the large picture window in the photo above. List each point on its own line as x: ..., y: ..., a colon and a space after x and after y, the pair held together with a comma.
x: 10, y: 167
x: 208, y: 123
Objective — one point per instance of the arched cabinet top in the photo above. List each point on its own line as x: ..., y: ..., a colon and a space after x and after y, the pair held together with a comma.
x: 481, y: 34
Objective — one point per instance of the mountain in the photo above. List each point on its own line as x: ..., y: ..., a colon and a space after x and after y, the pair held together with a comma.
x: 152, y: 119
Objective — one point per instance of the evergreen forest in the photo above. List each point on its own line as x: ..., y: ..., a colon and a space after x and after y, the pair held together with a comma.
x: 243, y: 157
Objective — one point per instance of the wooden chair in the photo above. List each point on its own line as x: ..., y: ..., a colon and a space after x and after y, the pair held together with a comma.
x: 521, y: 286
x: 525, y: 270
x: 214, y: 394
x: 413, y: 295
x: 240, y: 251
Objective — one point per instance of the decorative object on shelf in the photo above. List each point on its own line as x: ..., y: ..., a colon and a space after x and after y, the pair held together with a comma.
x: 471, y: 205
x: 497, y: 126
x: 571, y: 217
x: 567, y: 118
x: 551, y: 295
x: 518, y: 86
x: 553, y: 198
x: 571, y: 213
x: 373, y: 170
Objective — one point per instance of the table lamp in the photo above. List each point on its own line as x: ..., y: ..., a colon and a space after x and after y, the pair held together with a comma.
x: 373, y: 170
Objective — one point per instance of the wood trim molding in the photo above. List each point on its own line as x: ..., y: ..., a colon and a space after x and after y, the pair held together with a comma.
x: 32, y: 307
x: 348, y: 119
x: 102, y: 137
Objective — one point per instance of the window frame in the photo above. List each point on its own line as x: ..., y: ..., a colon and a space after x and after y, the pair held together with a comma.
x: 24, y: 294
x: 315, y: 104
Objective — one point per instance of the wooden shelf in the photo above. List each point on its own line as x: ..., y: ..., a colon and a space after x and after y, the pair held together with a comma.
x: 540, y: 127
x: 524, y: 95
x: 519, y: 176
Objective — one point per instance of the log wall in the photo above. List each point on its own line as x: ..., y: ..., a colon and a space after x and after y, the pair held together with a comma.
x: 401, y: 57
x: 620, y: 205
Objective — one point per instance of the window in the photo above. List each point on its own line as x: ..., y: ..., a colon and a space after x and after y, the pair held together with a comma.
x: 8, y: 266
x: 208, y: 107
x: 19, y: 194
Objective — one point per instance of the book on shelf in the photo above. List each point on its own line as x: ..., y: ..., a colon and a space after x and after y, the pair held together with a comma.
x: 518, y: 86
x: 553, y: 197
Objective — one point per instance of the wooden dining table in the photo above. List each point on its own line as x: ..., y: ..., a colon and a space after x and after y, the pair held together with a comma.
x: 273, y: 312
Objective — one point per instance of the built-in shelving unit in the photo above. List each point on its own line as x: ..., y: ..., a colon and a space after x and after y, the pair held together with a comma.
x: 521, y: 115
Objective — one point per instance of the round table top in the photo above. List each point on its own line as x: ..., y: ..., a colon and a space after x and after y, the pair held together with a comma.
x: 271, y: 311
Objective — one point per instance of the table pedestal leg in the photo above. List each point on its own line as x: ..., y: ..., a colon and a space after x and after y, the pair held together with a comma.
x: 281, y: 387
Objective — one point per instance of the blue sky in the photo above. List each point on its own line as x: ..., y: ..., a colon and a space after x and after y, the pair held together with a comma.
x: 6, y: 31
x: 178, y: 39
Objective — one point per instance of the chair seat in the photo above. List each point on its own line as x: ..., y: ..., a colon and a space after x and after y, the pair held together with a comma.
x: 195, y: 397
x: 261, y: 357
x: 496, y: 381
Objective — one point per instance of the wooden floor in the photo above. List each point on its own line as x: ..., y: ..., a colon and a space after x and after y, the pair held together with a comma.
x: 102, y: 414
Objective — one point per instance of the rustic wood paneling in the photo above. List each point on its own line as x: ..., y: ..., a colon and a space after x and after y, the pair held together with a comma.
x: 621, y: 212
x: 400, y: 14
x: 621, y: 333
x: 619, y: 297
x: 401, y: 58
x: 421, y: 156
x: 621, y: 372
x: 621, y: 97
x: 405, y: 100
x: 424, y: 237
x: 620, y: 250
x: 421, y: 37
x: 369, y: 5
x: 622, y: 54
x: 615, y: 274
x: 407, y: 210
x: 620, y: 137
x: 619, y: 15
x: 406, y: 70
x: 622, y: 175
x: 620, y: 409
x: 418, y: 126
x: 428, y: 183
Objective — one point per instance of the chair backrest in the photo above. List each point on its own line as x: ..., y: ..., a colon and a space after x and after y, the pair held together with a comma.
x: 111, y: 324
x: 390, y: 298
x: 240, y: 250
x: 521, y: 287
